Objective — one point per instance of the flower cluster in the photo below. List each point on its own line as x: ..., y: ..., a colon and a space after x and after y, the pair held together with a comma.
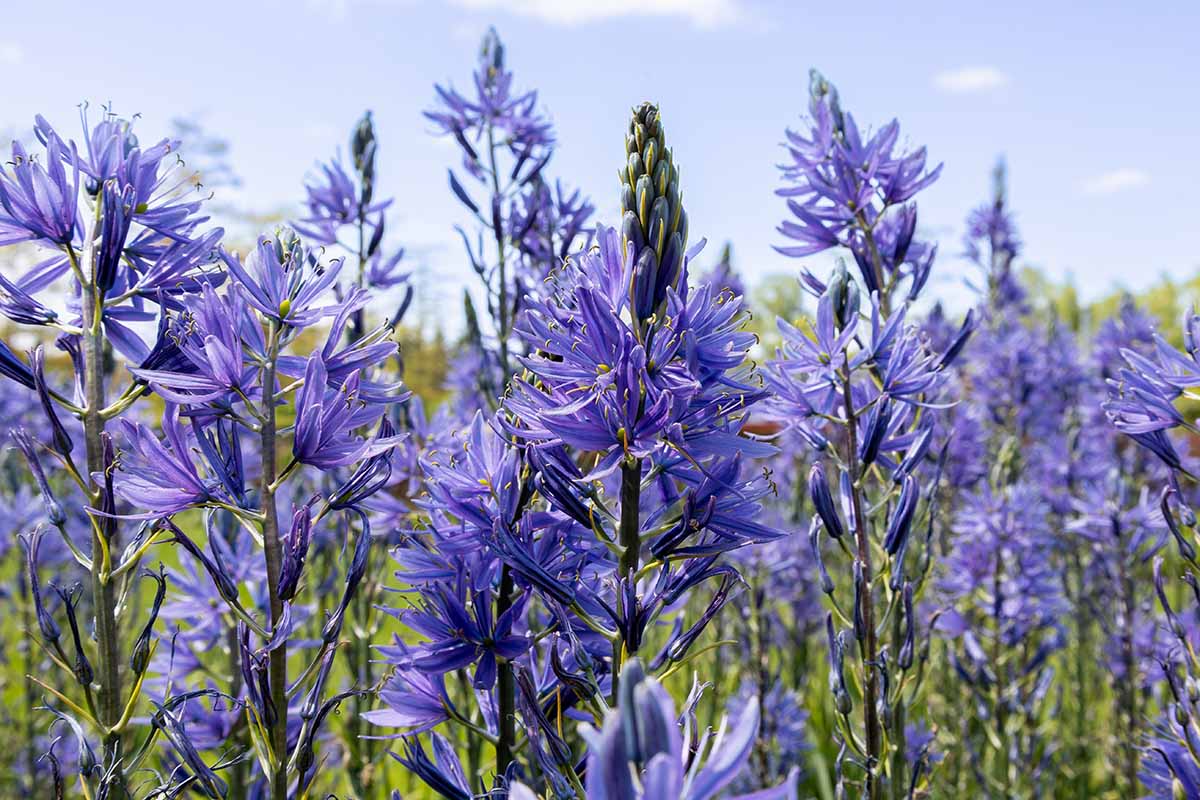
x: 532, y: 222
x: 848, y: 191
x: 344, y: 212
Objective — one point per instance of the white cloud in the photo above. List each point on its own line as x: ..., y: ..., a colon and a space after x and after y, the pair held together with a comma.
x: 1115, y: 181
x: 969, y: 80
x: 702, y: 13
x: 11, y: 54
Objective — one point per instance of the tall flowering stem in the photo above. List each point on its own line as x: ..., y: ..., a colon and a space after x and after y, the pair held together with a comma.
x: 104, y: 590
x: 241, y: 381
x: 273, y: 551
x: 1027, y: 461
x: 117, y: 226
x: 862, y: 388
x: 506, y: 144
x: 345, y: 211
x: 654, y: 229
x: 600, y: 498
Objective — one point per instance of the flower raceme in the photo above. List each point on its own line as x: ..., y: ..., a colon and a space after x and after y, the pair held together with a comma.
x: 604, y: 386
x: 635, y: 383
x: 116, y: 229
x: 847, y: 190
x: 863, y: 388
x: 524, y: 228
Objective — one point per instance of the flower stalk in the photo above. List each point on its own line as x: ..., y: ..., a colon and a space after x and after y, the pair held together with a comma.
x: 105, y: 597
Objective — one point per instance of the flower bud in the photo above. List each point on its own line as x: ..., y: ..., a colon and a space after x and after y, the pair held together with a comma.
x: 843, y: 295
x: 822, y: 500
x: 915, y: 454
x: 902, y: 516
x: 653, y: 218
x: 814, y: 535
x: 295, y: 551
x: 905, y: 658
x: 874, y: 431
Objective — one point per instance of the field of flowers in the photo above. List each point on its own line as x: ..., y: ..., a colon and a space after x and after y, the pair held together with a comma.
x: 647, y: 541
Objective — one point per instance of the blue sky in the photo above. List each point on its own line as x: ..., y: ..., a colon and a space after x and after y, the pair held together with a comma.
x: 1095, y: 106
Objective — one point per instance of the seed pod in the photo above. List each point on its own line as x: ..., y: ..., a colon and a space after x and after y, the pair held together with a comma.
x: 837, y: 675
x: 354, y: 575
x: 46, y: 624
x: 860, y: 591
x: 221, y: 578
x: 61, y: 440
x: 140, y: 657
x: 1173, y: 622
x: 54, y: 510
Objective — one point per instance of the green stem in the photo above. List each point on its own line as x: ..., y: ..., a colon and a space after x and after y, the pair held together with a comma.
x: 273, y: 548
x: 630, y: 539
x: 362, y: 750
x: 1001, y: 686
x: 360, y: 322
x: 869, y: 645
x: 885, y: 295
x: 237, y: 772
x: 28, y: 622
x: 107, y: 631
x: 1128, y: 689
